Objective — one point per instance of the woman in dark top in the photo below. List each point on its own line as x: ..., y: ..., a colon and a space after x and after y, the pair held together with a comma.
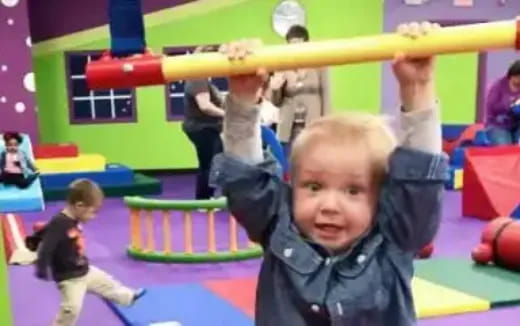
x: 203, y: 116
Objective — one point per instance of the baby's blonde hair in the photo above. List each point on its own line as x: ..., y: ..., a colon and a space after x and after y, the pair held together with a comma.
x: 372, y: 132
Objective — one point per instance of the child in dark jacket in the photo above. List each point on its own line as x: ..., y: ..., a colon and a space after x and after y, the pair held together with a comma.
x: 61, y: 254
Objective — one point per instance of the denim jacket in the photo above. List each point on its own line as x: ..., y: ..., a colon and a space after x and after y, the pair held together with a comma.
x: 27, y: 165
x: 370, y: 285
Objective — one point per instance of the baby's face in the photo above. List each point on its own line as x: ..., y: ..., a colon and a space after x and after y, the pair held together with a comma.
x: 334, y: 195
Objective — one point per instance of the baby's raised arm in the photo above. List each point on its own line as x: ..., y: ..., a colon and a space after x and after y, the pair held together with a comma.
x: 412, y: 198
x: 247, y: 178
x: 242, y: 138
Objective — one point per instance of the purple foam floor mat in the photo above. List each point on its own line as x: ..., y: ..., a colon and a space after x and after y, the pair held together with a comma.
x: 108, y: 236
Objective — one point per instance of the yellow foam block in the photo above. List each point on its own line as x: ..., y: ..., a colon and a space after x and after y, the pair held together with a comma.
x: 457, y: 179
x: 81, y: 163
x: 436, y: 300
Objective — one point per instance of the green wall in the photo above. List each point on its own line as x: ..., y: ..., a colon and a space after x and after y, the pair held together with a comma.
x: 154, y: 143
x: 458, y: 91
x: 6, y: 317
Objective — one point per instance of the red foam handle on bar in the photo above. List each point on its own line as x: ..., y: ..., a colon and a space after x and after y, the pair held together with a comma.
x: 142, y: 70
x: 518, y: 34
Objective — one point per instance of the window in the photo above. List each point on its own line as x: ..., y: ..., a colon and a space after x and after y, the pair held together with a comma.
x: 95, y: 106
x: 175, y: 90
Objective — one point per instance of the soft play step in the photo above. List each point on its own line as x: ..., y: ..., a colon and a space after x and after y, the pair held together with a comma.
x: 81, y: 163
x: 13, y: 231
x: 114, y: 174
x: 55, y: 150
x: 142, y: 185
x: 499, y: 286
x: 13, y: 199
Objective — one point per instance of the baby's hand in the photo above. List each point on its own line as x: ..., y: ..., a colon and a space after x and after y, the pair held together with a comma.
x: 245, y: 88
x: 414, y: 71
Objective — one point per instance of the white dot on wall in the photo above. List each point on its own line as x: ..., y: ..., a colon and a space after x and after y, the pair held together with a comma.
x: 3, y: 99
x: 28, y: 82
x: 3, y: 68
x: 10, y: 3
x: 19, y: 107
x: 10, y: 21
x: 28, y: 41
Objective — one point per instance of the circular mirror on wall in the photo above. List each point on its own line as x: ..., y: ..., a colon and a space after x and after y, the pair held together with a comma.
x: 286, y: 14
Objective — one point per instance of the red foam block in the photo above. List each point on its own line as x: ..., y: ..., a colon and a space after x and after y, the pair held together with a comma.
x: 491, y: 181
x: 10, y: 243
x: 55, y: 150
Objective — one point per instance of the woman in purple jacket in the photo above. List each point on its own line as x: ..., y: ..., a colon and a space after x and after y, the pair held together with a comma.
x: 503, y: 108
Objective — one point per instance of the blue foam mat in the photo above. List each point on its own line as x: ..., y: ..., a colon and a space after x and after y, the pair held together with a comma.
x: 187, y: 304
x: 114, y: 175
x: 13, y: 199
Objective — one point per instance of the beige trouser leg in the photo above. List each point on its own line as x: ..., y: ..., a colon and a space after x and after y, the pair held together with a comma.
x: 72, y: 295
x: 104, y: 285
x: 96, y: 281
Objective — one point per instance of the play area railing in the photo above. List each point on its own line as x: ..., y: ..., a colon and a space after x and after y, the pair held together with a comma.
x: 207, y: 244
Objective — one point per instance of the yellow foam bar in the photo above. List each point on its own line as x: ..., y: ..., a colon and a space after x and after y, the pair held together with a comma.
x: 448, y: 40
x: 435, y: 300
x: 457, y: 179
x: 81, y: 163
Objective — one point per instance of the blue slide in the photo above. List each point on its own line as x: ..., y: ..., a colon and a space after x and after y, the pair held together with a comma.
x: 13, y: 199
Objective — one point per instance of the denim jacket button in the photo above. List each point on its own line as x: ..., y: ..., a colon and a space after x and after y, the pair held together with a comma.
x: 327, y: 261
x: 315, y: 308
x: 287, y: 252
x: 361, y: 259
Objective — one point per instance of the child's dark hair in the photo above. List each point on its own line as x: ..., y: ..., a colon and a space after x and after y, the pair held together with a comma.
x: 297, y: 31
x: 12, y: 135
x: 514, y: 69
x: 85, y: 191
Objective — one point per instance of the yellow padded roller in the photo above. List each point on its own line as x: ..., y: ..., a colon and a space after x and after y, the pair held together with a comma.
x: 457, y: 179
x: 436, y: 300
x: 81, y: 163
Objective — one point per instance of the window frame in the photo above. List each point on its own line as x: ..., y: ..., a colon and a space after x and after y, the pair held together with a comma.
x: 73, y: 120
x: 170, y: 116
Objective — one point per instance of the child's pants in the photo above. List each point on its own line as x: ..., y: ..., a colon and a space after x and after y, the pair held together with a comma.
x: 17, y: 179
x: 96, y: 281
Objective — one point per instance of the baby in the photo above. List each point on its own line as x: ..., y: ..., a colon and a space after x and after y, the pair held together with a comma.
x: 339, y: 241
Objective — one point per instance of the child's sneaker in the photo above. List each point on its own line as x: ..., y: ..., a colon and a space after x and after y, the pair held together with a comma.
x: 138, y: 294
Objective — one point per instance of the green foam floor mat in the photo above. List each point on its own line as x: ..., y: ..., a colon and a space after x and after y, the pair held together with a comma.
x: 497, y: 285
x: 143, y: 185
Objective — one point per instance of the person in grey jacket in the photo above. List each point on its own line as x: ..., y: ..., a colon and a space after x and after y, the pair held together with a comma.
x: 340, y: 239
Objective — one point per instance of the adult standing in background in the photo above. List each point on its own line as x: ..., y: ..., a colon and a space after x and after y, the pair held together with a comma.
x: 303, y: 95
x: 503, y: 108
x: 203, y: 118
